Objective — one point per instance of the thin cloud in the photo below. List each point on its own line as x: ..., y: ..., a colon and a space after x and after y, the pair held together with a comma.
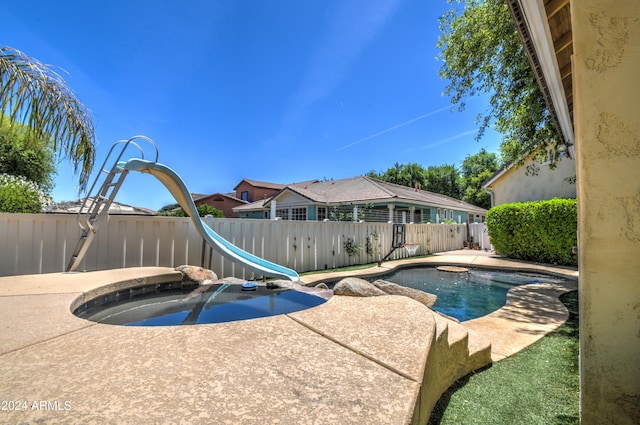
x: 443, y: 141
x: 395, y: 127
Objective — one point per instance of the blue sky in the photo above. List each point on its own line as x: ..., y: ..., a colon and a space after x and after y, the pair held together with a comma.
x: 272, y: 90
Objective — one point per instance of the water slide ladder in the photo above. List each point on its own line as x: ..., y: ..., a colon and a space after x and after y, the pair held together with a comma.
x: 94, y: 209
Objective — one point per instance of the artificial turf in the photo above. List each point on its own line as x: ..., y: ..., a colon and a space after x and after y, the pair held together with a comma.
x: 539, y: 385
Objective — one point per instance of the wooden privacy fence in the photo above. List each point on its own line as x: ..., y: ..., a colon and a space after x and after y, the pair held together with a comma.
x: 43, y: 243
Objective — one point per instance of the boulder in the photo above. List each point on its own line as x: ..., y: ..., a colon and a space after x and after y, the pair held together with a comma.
x: 356, y: 287
x: 197, y: 274
x: 394, y: 289
x: 323, y: 292
x: 283, y: 284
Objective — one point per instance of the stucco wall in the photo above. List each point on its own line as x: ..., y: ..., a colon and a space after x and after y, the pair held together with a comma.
x: 515, y: 186
x: 606, y: 65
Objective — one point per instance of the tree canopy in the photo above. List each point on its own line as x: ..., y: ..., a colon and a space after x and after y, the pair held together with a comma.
x: 204, y: 210
x: 464, y: 183
x: 482, y: 54
x: 22, y: 154
x: 33, y: 94
x: 475, y: 170
x: 441, y: 179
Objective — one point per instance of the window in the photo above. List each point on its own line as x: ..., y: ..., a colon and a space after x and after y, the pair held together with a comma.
x: 438, y: 217
x: 322, y: 214
x: 245, y: 196
x: 299, y: 214
x: 450, y: 214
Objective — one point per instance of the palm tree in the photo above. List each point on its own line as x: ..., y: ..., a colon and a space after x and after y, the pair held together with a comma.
x: 33, y: 94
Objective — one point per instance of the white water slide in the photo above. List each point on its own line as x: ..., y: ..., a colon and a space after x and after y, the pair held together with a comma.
x: 172, y: 181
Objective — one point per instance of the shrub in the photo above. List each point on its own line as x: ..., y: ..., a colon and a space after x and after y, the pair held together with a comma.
x: 19, y: 195
x: 203, y: 211
x: 541, y: 231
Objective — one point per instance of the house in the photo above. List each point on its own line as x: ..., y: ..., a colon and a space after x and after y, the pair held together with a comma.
x: 360, y: 198
x: 585, y: 56
x: 245, y: 192
x: 534, y: 180
x: 224, y: 202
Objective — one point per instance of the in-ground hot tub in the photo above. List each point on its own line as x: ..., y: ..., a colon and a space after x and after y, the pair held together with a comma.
x: 181, y: 303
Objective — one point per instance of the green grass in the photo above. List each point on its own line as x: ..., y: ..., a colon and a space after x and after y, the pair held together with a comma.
x: 355, y: 267
x: 342, y: 269
x: 539, y: 385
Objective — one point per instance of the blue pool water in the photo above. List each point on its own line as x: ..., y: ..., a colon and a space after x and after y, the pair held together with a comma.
x: 168, y: 306
x: 465, y: 296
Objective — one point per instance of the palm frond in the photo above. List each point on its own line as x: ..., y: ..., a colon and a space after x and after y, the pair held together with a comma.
x: 32, y: 93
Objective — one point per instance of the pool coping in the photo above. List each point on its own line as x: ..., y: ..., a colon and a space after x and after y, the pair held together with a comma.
x: 347, y: 361
x: 531, y: 311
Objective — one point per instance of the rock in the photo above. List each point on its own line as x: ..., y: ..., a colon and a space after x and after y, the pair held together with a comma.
x: 323, y: 292
x: 355, y: 287
x: 394, y: 289
x: 284, y: 284
x: 197, y: 274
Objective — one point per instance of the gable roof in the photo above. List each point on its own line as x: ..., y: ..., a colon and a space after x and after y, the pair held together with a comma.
x: 73, y: 207
x: 364, y: 189
x: 229, y: 195
x: 258, y: 183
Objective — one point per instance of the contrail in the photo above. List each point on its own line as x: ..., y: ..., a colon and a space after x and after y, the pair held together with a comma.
x: 395, y: 127
x: 443, y: 141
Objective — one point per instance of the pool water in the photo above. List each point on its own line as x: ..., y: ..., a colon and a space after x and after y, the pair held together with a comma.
x: 171, y: 306
x: 465, y: 296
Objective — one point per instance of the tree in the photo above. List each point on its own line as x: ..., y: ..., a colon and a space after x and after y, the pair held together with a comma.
x: 482, y: 54
x: 19, y: 195
x: 168, y: 209
x: 476, y: 169
x: 174, y: 210
x: 443, y: 179
x: 410, y: 175
x: 21, y: 154
x: 33, y: 94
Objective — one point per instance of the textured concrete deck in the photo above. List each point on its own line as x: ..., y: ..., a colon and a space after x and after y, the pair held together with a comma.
x: 350, y: 360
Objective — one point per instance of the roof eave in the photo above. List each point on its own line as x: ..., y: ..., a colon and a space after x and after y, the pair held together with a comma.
x: 531, y: 20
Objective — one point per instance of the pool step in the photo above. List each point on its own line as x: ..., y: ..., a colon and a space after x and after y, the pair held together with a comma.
x: 454, y: 353
x: 468, y: 350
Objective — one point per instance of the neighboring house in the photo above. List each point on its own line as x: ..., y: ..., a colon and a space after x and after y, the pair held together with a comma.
x: 224, y: 202
x: 360, y: 199
x: 73, y: 207
x: 534, y: 180
x: 246, y: 192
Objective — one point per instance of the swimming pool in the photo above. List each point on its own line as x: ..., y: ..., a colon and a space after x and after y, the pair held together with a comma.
x: 175, y: 304
x: 465, y: 296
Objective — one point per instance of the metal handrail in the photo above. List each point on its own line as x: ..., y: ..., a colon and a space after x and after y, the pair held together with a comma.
x: 84, y: 208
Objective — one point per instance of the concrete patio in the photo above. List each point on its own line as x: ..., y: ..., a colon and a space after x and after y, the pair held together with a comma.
x: 382, y: 360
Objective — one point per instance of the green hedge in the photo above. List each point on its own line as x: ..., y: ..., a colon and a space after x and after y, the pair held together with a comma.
x: 541, y: 231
